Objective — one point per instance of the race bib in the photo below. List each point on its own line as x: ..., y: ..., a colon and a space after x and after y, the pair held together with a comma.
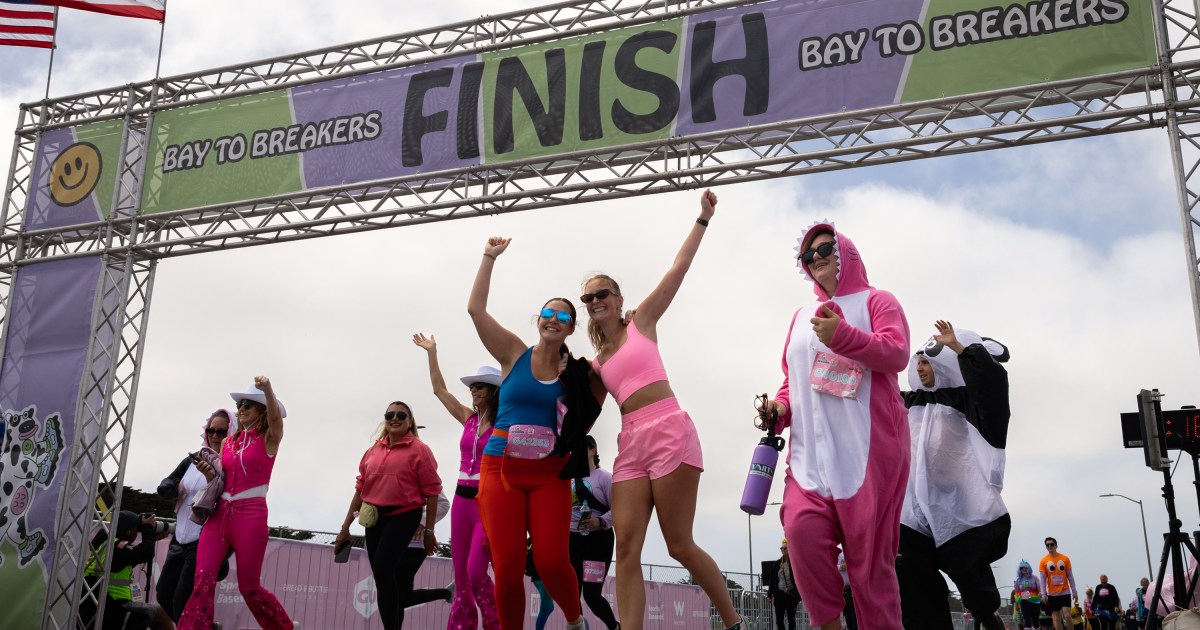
x: 593, y: 571
x: 835, y: 375
x: 529, y: 441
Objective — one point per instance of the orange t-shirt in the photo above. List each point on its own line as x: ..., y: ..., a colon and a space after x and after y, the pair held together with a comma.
x: 1055, y: 569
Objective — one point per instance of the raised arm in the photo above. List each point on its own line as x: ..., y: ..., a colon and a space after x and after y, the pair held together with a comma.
x: 500, y: 342
x: 655, y: 304
x: 274, y: 415
x: 460, y: 411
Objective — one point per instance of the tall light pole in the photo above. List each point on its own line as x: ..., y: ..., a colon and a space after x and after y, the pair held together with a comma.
x: 750, y: 545
x: 1145, y: 536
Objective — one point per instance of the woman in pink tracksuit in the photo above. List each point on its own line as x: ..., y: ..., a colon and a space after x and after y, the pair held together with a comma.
x: 849, y: 442
x: 240, y: 520
x: 468, y: 543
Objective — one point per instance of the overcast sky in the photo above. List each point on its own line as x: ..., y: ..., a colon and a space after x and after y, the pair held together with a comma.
x: 1069, y: 253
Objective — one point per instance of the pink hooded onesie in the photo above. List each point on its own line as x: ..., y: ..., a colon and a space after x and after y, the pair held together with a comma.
x: 849, y: 444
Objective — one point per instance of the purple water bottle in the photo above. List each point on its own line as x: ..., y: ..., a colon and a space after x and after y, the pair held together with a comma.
x: 762, y: 467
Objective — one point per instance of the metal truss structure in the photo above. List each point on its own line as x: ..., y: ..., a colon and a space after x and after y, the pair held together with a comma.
x: 1166, y: 96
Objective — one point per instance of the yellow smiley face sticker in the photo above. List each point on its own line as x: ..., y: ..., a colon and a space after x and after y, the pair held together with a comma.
x: 74, y: 173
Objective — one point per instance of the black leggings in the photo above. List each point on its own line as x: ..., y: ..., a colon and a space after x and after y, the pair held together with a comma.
x: 387, y: 541
x: 598, y: 546
x: 415, y: 557
x: 175, y: 579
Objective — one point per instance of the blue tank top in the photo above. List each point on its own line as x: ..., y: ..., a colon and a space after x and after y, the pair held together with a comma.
x: 524, y: 400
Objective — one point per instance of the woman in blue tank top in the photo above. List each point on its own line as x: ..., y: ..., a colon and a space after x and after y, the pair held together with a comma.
x: 519, y: 489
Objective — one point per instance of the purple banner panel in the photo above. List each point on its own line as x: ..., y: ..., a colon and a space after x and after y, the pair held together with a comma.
x: 65, y: 178
x: 734, y: 91
x: 424, y: 127
x: 319, y: 593
x: 49, y: 329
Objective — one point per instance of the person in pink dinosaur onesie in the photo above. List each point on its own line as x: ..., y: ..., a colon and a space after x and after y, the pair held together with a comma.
x: 849, y: 442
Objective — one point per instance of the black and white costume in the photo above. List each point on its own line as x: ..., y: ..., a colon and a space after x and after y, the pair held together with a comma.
x: 953, y: 519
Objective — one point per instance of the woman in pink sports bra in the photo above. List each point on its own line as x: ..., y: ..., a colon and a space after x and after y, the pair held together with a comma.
x: 658, y: 461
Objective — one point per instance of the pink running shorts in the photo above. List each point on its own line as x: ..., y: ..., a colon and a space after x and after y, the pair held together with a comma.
x: 654, y: 441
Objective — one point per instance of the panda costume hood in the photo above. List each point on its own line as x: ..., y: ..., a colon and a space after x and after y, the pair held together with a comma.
x: 959, y: 429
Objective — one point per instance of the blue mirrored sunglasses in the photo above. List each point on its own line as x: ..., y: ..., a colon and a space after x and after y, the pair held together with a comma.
x: 562, y: 316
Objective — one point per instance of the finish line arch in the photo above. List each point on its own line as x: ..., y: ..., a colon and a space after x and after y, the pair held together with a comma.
x: 143, y: 221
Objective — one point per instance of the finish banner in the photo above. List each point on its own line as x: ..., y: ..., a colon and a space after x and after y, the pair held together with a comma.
x: 714, y: 71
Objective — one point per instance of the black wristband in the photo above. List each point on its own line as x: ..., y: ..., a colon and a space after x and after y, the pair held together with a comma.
x: 703, y: 222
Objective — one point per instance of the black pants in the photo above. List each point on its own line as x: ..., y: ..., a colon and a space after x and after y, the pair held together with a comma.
x: 415, y: 557
x: 597, y: 546
x: 966, y: 559
x: 851, y: 618
x: 118, y: 615
x: 785, y: 608
x: 175, y: 580
x: 387, y: 541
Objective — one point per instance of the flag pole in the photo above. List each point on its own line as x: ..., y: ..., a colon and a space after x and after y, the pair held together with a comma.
x: 53, y: 47
x: 162, y: 29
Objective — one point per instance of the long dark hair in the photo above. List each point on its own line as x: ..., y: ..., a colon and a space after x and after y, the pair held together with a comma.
x: 488, y: 412
x: 574, y: 319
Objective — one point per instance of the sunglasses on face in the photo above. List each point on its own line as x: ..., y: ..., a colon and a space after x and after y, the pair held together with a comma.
x: 587, y: 298
x: 475, y: 386
x: 246, y: 403
x: 217, y: 432
x: 561, y: 316
x: 1051, y: 544
x: 824, y: 249
x: 398, y: 415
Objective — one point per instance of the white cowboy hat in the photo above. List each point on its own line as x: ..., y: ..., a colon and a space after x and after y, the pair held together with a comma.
x: 486, y: 374
x: 257, y: 395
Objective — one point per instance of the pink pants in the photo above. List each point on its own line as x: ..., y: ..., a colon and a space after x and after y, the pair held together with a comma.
x: 868, y: 526
x: 242, y: 525
x: 473, y: 585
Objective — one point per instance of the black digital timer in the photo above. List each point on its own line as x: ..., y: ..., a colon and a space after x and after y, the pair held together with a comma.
x: 1181, y: 428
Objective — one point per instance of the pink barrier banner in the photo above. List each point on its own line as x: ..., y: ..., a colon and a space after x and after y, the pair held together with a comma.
x: 323, y: 595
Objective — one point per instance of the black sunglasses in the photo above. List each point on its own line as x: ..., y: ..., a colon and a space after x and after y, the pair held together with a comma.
x: 477, y: 385
x: 824, y: 249
x: 1050, y: 544
x: 399, y: 415
x: 587, y: 298
x: 246, y: 403
x: 220, y: 432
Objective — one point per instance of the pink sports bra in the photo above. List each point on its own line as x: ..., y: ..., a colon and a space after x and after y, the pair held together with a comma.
x: 633, y: 366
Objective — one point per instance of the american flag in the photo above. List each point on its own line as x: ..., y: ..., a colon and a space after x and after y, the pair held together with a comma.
x: 148, y: 9
x: 24, y: 23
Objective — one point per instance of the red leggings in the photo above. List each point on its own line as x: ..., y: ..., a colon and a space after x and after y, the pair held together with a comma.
x: 536, y: 502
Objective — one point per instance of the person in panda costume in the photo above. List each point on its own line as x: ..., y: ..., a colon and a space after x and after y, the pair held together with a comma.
x: 953, y: 519
x: 848, y: 442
